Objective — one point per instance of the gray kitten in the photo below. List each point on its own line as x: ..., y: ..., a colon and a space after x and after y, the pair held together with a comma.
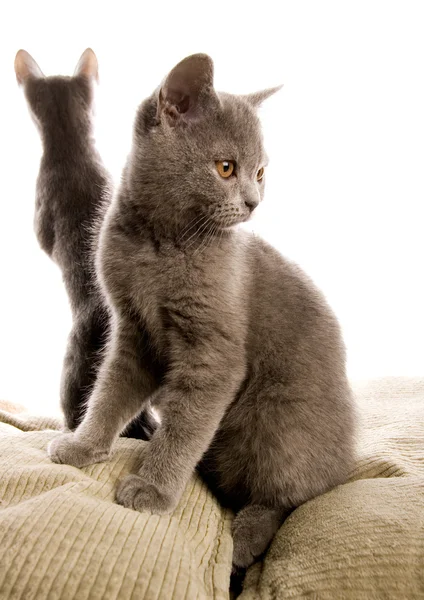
x: 73, y: 191
x: 253, y: 389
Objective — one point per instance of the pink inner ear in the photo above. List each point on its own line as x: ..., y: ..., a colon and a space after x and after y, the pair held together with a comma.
x: 25, y: 66
x: 181, y: 93
x: 180, y: 100
x: 87, y: 65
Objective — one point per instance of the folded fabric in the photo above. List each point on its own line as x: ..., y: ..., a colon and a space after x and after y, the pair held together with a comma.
x: 365, y: 539
x: 63, y: 537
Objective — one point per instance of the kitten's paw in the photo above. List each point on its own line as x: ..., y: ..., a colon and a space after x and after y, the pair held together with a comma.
x: 133, y: 492
x: 253, y: 529
x: 243, y: 556
x: 67, y: 449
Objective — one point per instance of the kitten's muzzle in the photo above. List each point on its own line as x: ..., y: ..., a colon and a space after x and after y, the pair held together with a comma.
x: 251, y: 203
x: 250, y: 196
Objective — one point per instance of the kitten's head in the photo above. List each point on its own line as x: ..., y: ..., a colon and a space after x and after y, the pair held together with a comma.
x: 198, y: 152
x: 58, y: 103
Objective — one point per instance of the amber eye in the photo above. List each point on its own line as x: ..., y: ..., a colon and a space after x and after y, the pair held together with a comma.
x: 225, y: 168
x: 260, y: 174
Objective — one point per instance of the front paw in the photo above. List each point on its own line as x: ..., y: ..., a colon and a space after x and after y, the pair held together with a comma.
x: 67, y: 449
x: 133, y: 492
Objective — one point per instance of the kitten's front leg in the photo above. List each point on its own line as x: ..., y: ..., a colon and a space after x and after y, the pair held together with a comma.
x: 123, y: 385
x: 196, y: 400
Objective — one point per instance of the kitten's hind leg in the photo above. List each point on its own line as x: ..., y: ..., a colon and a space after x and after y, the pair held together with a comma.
x: 253, y: 529
x: 81, y: 363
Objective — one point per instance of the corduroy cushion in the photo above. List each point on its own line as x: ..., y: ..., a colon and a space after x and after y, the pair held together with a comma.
x: 363, y: 540
x: 63, y: 537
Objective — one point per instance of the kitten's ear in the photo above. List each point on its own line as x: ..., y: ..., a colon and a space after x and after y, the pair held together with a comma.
x: 26, y: 67
x: 188, y: 90
x: 88, y: 65
x: 257, y: 98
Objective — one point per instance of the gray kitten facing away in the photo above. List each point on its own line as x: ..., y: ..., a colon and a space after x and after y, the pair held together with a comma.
x: 253, y: 390
x: 73, y: 191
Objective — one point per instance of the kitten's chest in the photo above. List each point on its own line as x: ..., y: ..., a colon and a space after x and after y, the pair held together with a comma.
x: 159, y: 278
x: 184, y: 293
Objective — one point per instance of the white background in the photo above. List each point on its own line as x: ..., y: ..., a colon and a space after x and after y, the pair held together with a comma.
x: 345, y: 185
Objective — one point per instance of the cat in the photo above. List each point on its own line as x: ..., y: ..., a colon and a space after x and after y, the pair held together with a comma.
x: 72, y: 194
x: 254, y: 390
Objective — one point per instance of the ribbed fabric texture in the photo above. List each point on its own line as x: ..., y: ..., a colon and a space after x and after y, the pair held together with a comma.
x: 63, y: 537
x: 363, y: 540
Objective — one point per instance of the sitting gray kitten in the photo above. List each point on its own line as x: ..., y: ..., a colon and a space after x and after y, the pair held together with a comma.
x: 73, y: 191
x: 254, y: 389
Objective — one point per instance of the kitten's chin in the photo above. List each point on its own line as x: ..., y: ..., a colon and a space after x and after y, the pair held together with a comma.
x: 226, y: 223
x: 228, y: 226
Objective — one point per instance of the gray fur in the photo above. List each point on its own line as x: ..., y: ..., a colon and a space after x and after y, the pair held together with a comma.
x: 72, y: 194
x: 248, y: 366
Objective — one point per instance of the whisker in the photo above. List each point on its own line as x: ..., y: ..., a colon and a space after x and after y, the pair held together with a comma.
x: 203, y: 230
x: 187, y: 228
x: 220, y: 236
x: 202, y: 243
x: 208, y: 239
x: 198, y: 231
x: 212, y: 236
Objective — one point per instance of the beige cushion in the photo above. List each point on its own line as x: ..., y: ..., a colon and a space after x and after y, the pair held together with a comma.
x: 63, y: 537
x: 365, y: 539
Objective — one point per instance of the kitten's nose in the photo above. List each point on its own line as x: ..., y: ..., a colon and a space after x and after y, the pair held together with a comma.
x: 251, y: 202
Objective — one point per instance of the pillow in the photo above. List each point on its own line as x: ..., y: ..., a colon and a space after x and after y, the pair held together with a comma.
x: 364, y: 539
